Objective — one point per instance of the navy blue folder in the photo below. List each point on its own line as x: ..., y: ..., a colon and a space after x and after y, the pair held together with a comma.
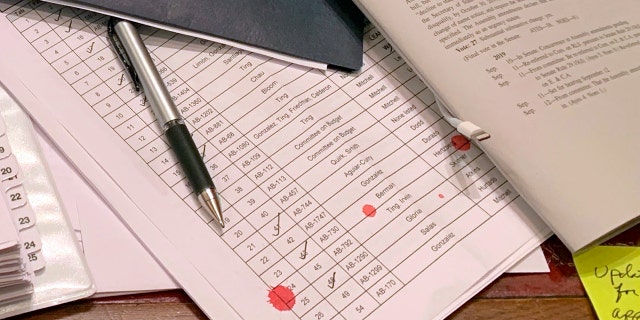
x: 326, y: 31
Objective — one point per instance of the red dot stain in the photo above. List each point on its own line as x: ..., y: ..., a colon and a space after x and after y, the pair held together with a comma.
x: 460, y: 142
x: 369, y: 210
x: 441, y: 196
x: 282, y: 298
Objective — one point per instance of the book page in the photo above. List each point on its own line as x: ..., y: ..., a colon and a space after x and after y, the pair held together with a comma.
x: 554, y: 84
x: 344, y: 195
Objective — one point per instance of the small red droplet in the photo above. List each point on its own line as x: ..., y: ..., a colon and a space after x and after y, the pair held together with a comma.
x: 369, y: 210
x: 282, y: 298
x: 460, y: 142
x: 441, y: 196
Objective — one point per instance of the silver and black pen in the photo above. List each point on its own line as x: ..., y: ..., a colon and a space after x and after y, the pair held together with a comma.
x: 137, y: 61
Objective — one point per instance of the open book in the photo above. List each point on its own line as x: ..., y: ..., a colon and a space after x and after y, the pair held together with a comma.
x: 555, y: 85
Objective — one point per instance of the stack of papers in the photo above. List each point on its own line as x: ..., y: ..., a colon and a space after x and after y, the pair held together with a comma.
x: 92, y: 217
x: 343, y: 191
x: 40, y: 262
x: 346, y: 194
x: 20, y: 244
x: 15, y: 282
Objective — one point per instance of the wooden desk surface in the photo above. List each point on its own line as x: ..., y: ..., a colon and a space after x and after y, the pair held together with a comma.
x: 554, y: 295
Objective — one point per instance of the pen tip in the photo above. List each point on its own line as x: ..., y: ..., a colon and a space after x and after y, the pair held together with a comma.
x: 209, y: 199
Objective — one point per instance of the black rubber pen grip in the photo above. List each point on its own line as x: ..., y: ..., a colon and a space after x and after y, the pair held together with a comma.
x: 190, y: 160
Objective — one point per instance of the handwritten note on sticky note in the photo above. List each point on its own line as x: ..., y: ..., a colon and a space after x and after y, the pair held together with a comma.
x: 611, y: 276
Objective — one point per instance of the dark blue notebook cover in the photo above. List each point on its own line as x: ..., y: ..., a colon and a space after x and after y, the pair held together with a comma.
x: 327, y: 31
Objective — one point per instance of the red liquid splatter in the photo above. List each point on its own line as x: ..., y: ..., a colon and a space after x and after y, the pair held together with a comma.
x: 441, y: 196
x: 282, y: 298
x: 369, y: 210
x: 460, y: 142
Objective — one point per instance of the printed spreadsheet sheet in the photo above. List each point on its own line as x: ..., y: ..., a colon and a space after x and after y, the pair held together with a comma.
x: 340, y: 189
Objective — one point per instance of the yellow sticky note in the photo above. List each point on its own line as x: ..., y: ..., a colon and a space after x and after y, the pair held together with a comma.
x: 611, y: 276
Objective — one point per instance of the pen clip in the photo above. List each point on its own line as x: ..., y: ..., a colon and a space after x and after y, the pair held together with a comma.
x: 121, y: 53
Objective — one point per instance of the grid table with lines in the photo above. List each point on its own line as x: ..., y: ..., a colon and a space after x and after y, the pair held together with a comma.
x: 340, y: 187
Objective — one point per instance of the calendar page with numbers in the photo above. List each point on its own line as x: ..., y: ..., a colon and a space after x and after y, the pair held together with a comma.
x: 345, y: 195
